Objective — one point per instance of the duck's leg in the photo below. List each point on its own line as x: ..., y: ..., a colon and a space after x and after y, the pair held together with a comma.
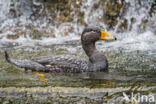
x: 42, y: 76
x: 26, y: 64
x: 26, y: 70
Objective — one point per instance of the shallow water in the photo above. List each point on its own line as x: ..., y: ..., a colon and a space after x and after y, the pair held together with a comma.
x: 129, y: 71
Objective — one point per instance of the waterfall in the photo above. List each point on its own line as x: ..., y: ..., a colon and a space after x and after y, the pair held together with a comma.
x: 29, y: 21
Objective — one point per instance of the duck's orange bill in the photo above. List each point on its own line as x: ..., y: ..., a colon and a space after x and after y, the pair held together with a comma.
x: 106, y: 36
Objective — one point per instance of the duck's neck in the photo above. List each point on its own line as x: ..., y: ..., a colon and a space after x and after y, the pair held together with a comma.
x: 97, y: 61
x: 90, y: 49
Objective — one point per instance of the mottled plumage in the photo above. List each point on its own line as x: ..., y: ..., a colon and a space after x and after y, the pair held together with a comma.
x: 68, y: 63
x: 62, y: 63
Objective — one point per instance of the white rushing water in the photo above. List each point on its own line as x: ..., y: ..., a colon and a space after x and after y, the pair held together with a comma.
x: 15, y: 16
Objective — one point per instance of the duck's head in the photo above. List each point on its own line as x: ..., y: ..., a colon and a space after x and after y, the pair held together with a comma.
x: 93, y: 34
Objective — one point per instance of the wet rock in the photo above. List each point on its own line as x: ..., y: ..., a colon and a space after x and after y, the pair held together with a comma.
x: 15, y: 36
x: 49, y: 34
x: 143, y: 24
x: 64, y: 95
x: 112, y: 11
x: 123, y: 26
x: 63, y: 11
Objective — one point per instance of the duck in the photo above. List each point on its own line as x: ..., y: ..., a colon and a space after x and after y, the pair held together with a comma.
x: 97, y: 61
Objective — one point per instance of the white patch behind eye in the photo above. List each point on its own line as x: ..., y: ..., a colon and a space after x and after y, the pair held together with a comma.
x: 88, y: 33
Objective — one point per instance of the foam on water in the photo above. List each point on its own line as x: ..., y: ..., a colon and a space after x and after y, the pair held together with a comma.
x: 132, y: 42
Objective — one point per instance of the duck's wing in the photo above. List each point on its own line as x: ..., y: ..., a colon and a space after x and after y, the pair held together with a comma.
x: 44, y: 59
x: 62, y: 63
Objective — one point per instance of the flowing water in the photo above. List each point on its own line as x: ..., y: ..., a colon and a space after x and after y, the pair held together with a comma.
x: 132, y: 58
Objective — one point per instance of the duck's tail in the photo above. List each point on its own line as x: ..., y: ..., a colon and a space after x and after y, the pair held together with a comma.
x: 7, y: 56
x: 9, y: 59
x: 26, y: 64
